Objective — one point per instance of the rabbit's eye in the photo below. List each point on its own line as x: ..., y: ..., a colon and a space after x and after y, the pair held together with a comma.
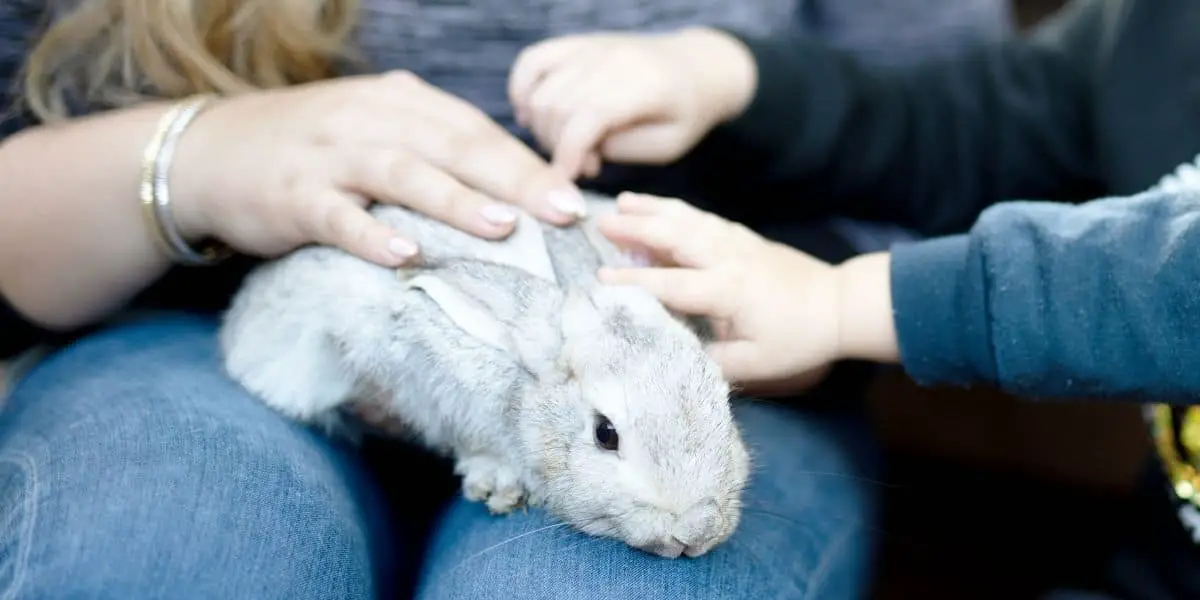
x: 606, y: 434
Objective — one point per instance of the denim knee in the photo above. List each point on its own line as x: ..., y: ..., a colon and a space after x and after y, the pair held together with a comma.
x: 806, y: 532
x: 130, y: 467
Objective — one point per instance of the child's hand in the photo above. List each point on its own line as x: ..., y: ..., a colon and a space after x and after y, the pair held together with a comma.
x: 781, y: 316
x: 775, y: 309
x: 627, y: 97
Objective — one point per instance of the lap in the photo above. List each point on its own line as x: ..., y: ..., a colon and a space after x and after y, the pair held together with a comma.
x: 132, y: 466
x: 806, y: 532
x: 130, y: 462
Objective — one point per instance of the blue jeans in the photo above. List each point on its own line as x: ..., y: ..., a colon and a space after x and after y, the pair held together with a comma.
x: 130, y: 467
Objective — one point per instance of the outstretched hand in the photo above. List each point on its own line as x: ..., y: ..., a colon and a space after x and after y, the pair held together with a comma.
x: 775, y: 310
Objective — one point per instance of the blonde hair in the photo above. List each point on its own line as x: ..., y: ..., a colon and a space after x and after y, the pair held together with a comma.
x: 114, y: 53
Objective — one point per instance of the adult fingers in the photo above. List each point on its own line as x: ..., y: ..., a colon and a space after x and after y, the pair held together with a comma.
x: 691, y: 291
x: 334, y: 218
x: 400, y: 177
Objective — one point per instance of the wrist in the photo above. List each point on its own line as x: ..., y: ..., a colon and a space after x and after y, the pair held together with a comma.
x: 723, y: 68
x: 189, y: 179
x: 866, y: 329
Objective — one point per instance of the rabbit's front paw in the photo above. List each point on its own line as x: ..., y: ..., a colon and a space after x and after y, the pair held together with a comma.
x: 492, y: 481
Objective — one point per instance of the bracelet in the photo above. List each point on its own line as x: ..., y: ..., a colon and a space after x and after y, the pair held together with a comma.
x: 155, y: 189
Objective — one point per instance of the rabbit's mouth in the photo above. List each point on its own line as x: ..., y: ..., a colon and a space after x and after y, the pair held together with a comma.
x: 693, y: 544
x: 692, y: 533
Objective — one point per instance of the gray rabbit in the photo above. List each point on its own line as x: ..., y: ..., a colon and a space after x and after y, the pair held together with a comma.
x: 544, y: 386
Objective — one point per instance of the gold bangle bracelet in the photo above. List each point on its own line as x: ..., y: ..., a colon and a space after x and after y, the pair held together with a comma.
x: 155, y: 190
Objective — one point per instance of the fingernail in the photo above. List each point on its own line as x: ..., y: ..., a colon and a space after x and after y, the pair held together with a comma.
x: 568, y: 202
x: 498, y: 214
x: 402, y: 247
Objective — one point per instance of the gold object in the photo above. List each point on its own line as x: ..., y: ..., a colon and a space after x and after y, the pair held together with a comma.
x: 1176, y: 433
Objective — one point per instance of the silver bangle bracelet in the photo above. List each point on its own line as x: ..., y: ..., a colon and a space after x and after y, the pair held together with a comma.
x: 156, y: 192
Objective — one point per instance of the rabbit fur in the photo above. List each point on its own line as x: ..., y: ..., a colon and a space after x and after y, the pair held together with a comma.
x: 507, y: 356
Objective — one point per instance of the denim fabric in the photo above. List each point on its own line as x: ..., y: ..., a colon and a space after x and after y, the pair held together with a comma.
x: 130, y: 467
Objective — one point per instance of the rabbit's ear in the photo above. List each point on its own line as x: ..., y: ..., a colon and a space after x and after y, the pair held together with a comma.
x: 473, y: 317
x: 585, y: 340
x: 498, y: 305
x: 581, y: 318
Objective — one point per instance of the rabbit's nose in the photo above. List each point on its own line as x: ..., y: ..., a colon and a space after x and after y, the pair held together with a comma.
x: 669, y: 547
x: 699, y: 527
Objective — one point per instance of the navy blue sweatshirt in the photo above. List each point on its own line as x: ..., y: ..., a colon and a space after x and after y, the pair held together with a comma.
x: 1050, y: 300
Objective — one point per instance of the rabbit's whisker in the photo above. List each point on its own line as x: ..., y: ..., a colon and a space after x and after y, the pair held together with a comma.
x: 509, y: 541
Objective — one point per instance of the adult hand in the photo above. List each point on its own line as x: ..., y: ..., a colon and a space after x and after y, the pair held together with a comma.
x: 269, y: 171
x: 631, y: 98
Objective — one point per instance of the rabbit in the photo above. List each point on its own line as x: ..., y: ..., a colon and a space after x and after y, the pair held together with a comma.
x: 544, y: 387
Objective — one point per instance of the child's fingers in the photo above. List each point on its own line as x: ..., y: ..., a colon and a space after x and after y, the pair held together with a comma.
x: 700, y: 224
x: 589, y: 168
x: 534, y: 62
x: 677, y: 240
x: 567, y: 110
x: 576, y: 143
x: 591, y: 165
x: 633, y: 203
x: 691, y: 291
x: 648, y: 143
x: 550, y: 105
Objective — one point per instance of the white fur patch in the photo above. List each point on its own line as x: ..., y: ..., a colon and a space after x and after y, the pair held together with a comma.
x: 529, y: 244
